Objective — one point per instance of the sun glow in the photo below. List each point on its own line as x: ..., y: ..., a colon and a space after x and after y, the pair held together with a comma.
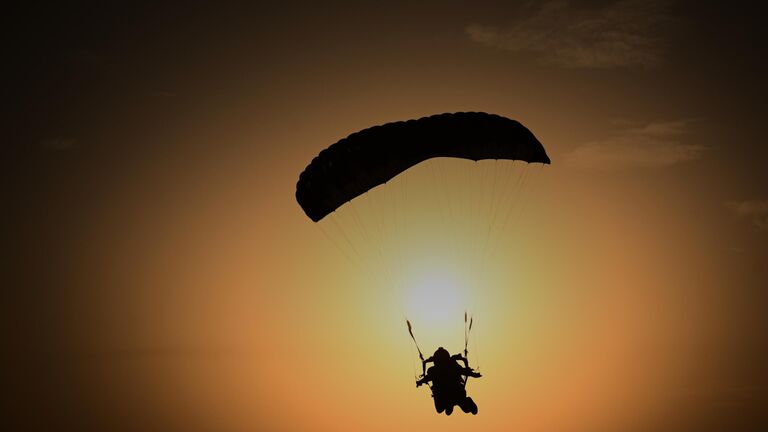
x: 436, y: 297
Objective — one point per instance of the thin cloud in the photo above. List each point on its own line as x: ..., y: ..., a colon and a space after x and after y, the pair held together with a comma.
x: 654, y: 145
x: 618, y: 34
x: 754, y: 210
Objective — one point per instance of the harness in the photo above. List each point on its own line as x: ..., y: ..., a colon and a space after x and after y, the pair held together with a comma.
x: 462, y: 378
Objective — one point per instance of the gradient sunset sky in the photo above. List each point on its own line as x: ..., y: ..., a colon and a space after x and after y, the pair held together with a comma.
x: 158, y: 274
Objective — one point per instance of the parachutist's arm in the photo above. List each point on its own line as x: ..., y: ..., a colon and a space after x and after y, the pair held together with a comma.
x: 461, y: 358
x: 424, y: 380
x: 469, y: 372
x: 424, y: 365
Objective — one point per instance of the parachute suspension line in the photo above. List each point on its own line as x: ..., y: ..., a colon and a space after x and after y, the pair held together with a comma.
x: 494, y: 232
x: 508, y: 190
x: 358, y: 260
x: 515, y: 211
x: 478, y: 192
x: 444, y: 187
x: 335, y: 243
x: 494, y: 199
x: 494, y: 202
x: 451, y: 233
x: 379, y: 254
x: 399, y: 236
x: 507, y: 180
x: 520, y: 187
x: 505, y: 193
x: 483, y: 213
x: 368, y: 234
x: 486, y: 204
x: 352, y: 234
x: 399, y: 212
x: 354, y: 231
x: 367, y: 238
x: 528, y: 190
x: 376, y: 226
x: 475, y: 175
x: 469, y: 183
x: 445, y: 245
x: 344, y: 234
x: 400, y: 222
x: 491, y: 242
x: 438, y: 196
x: 358, y: 221
x: 390, y: 228
x: 404, y: 219
x: 381, y: 249
x: 514, y: 201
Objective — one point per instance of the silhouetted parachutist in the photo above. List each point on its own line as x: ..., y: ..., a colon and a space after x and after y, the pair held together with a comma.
x: 449, y: 381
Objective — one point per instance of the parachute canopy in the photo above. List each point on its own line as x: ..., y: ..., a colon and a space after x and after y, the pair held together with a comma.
x: 375, y: 155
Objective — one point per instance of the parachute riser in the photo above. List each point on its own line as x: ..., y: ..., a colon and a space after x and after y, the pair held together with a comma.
x: 410, y: 331
x: 467, y: 330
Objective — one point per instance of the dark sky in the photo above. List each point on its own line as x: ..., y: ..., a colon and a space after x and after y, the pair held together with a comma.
x: 122, y: 120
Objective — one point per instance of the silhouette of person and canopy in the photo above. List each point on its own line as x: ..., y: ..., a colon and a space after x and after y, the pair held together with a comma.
x: 373, y: 156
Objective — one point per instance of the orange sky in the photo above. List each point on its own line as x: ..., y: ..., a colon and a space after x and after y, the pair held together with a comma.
x: 163, y: 276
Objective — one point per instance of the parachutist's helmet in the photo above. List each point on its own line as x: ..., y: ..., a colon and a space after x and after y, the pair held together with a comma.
x: 441, y: 355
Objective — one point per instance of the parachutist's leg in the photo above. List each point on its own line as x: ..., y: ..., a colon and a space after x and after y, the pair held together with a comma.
x: 449, y: 410
x: 465, y: 405
x: 468, y: 405
x: 439, y: 407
